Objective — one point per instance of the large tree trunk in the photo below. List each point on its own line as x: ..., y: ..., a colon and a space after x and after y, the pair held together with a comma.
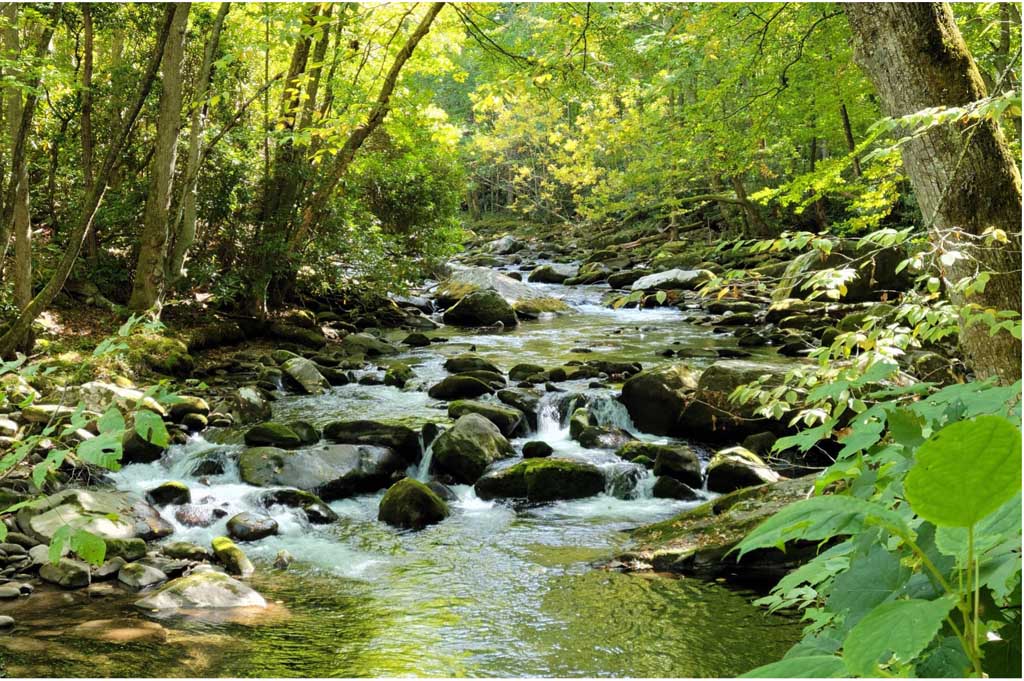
x: 92, y: 241
x: 147, y: 290
x: 848, y: 134
x: 21, y: 326
x: 965, y: 180
x: 184, y: 232
x: 22, y: 227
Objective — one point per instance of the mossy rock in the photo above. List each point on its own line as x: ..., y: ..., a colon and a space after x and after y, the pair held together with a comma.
x: 130, y: 549
x: 459, y: 386
x: 410, y: 504
x: 232, y: 557
x: 469, y: 362
x: 273, y: 434
x: 162, y: 354
x: 507, y: 419
x: 471, y: 445
x: 543, y: 479
x: 539, y: 306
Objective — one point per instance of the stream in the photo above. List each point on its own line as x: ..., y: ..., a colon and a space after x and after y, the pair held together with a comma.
x: 494, y: 590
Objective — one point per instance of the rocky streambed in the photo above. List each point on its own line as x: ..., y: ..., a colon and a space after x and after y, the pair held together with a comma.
x: 458, y: 497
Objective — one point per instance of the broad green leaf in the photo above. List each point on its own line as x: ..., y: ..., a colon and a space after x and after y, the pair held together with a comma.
x: 820, y: 518
x: 993, y: 530
x: 89, y: 547
x: 810, y: 667
x: 58, y: 542
x: 966, y: 471
x: 871, y: 579
x: 901, y: 629
x: 111, y: 421
x: 103, y: 450
x: 151, y: 427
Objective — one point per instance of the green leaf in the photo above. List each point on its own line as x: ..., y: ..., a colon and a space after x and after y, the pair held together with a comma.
x: 966, y: 471
x: 58, y: 541
x: 111, y: 421
x: 871, y: 580
x: 820, y: 518
x: 151, y: 427
x: 89, y: 547
x: 901, y: 629
x: 103, y: 450
x: 812, y: 666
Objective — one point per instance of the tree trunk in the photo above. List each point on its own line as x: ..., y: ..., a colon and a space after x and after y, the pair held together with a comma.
x: 820, y: 217
x: 22, y: 225
x: 148, y: 288
x: 21, y: 326
x: 755, y: 223
x: 92, y: 241
x: 965, y: 180
x: 184, y: 232
x: 848, y: 134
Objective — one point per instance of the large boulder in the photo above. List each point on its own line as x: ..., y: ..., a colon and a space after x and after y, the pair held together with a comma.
x: 305, y: 374
x: 99, y: 396
x: 248, y: 526
x: 545, y: 479
x: 709, y: 415
x: 202, y: 590
x: 109, y: 514
x: 506, y: 245
x: 402, y: 439
x: 553, y: 274
x: 331, y: 471
x: 232, y: 558
x: 246, y: 405
x: 657, y: 397
x: 481, y: 308
x: 465, y: 280
x: 687, y: 280
x: 469, y: 362
x: 273, y: 434
x: 465, y: 450
x: 735, y: 468
x: 507, y: 419
x: 410, y: 504
x: 367, y: 345
x: 676, y: 460
x: 459, y: 386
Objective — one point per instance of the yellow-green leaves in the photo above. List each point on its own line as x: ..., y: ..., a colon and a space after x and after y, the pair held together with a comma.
x: 966, y: 471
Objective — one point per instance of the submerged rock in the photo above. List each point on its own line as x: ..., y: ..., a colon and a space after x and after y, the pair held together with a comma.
x: 469, y: 362
x: 200, y: 590
x: 469, y: 447
x: 398, y: 374
x: 316, y: 511
x: 410, y: 504
x: 546, y: 479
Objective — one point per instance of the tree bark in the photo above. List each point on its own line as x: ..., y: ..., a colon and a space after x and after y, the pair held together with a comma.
x: 184, y: 233
x: 21, y: 326
x: 22, y: 225
x: 848, y: 134
x: 965, y: 180
x: 92, y: 241
x: 148, y: 288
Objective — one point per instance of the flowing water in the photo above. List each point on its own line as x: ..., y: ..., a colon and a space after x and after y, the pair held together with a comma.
x: 494, y: 590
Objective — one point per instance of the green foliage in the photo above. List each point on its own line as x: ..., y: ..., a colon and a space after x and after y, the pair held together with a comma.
x: 923, y: 527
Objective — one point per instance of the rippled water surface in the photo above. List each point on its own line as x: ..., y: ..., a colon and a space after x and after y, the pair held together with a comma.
x: 494, y: 590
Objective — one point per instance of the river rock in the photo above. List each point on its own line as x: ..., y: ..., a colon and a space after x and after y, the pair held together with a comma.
x: 481, y: 308
x: 168, y: 494
x: 877, y: 271
x: 687, y: 280
x: 273, y: 434
x: 679, y: 462
x: 626, y: 278
x: 183, y: 550
x: 666, y: 487
x: 316, y: 511
x: 469, y: 362
x: 735, y: 468
x: 99, y: 396
x: 537, y: 449
x: 8, y: 591
x: 331, y: 471
x: 402, y: 439
x: 657, y: 397
x: 553, y: 274
x: 305, y: 374
x: 709, y: 415
x: 458, y: 387
x: 410, y: 504
x: 546, y: 479
x: 66, y: 573
x: 522, y: 372
x: 186, y: 405
x: 506, y: 245
x: 416, y: 340
x: 109, y: 514
x: 246, y: 405
x: 232, y: 557
x: 129, y: 549
x: 469, y: 447
x: 523, y: 399
x: 507, y: 419
x: 140, y: 576
x: 6, y: 621
x: 201, y: 590
x: 367, y: 345
x: 247, y: 526
x: 398, y: 374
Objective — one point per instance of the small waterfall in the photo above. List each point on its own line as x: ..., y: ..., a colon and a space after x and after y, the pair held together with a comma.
x: 549, y: 418
x: 423, y: 469
x: 608, y: 411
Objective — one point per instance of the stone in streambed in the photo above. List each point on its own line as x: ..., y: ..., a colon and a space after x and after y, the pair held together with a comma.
x: 523, y: 399
x: 507, y: 419
x: 200, y: 590
x: 66, y: 573
x: 402, y: 439
x: 272, y: 434
x: 522, y: 372
x: 169, y: 493
x: 183, y: 550
x: 247, y: 526
x: 459, y: 386
x: 140, y: 576
x: 331, y: 471
x: 657, y: 397
x: 316, y: 511
x: 410, y: 504
x: 666, y: 487
x: 686, y: 280
x: 129, y: 549
x: 306, y: 375
x: 469, y: 447
x: 546, y: 479
x: 398, y: 374
x: 232, y: 557
x: 416, y: 340
x: 555, y: 273
x: 481, y: 308
x: 469, y: 362
x: 735, y: 468
x: 537, y: 449
x: 111, y: 515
